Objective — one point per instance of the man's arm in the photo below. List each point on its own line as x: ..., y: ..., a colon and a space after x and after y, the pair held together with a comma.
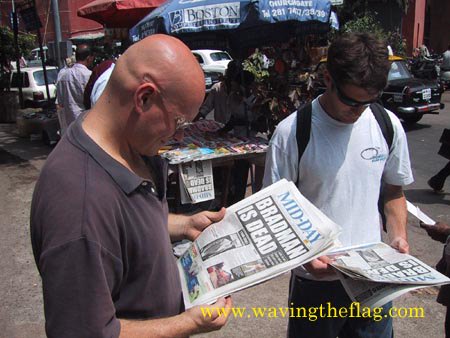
x: 190, y: 227
x: 193, y: 321
x: 208, y: 104
x: 396, y: 217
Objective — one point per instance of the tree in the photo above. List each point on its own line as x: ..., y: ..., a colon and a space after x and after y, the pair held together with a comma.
x: 368, y: 24
x: 8, y: 53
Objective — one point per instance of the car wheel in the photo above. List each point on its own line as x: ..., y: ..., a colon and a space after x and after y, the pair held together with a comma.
x: 412, y: 119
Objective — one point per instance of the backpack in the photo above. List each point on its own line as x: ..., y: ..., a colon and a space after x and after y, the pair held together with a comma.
x: 304, y: 132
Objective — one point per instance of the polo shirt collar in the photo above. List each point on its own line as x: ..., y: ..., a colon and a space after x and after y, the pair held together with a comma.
x: 125, y: 178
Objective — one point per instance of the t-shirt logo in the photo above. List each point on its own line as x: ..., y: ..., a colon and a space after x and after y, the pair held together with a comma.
x: 372, y: 154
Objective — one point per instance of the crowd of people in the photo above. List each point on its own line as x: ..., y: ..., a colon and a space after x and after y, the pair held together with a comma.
x: 100, y: 226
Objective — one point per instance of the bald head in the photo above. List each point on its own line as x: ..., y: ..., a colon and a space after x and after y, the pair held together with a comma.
x: 162, y: 60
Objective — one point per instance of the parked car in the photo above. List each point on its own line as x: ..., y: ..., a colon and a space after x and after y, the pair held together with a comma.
x: 33, y: 85
x: 409, y: 97
x: 212, y: 60
x: 406, y: 96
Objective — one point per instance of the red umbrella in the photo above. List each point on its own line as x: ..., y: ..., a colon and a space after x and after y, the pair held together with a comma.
x: 118, y: 13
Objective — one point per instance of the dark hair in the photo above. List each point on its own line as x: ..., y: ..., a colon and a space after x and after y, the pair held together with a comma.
x: 83, y: 52
x: 359, y: 59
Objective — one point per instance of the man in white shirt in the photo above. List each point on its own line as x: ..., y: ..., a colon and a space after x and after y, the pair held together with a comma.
x: 341, y: 170
x: 71, y: 84
x: 445, y: 66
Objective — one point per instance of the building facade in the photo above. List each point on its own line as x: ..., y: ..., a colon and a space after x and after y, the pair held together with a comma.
x: 72, y: 26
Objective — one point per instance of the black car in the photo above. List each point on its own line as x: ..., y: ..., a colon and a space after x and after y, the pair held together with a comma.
x: 409, y: 97
x: 406, y: 96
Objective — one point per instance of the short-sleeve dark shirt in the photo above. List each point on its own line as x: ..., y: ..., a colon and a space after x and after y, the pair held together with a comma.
x: 100, y: 241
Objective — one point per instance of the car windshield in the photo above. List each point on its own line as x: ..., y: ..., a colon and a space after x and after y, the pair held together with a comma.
x: 220, y: 56
x: 399, y: 71
x: 51, y: 76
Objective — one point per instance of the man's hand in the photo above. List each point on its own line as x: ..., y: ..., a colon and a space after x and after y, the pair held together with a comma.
x: 196, y: 223
x: 439, y: 232
x: 320, y: 267
x: 207, y: 318
x: 190, y: 227
x: 198, y: 319
x: 400, y: 244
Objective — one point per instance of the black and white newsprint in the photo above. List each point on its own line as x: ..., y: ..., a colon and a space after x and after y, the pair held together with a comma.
x: 196, y: 182
x: 374, y: 274
x: 261, y: 237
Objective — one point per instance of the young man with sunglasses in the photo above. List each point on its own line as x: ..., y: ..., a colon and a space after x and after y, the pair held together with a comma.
x: 341, y: 171
x: 100, y: 226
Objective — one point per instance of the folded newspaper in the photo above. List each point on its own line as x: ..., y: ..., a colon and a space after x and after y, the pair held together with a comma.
x: 374, y: 274
x: 260, y: 237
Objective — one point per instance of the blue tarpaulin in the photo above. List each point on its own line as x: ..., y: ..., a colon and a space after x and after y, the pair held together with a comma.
x: 212, y: 22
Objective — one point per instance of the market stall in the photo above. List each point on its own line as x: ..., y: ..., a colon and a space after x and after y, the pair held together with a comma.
x: 283, y: 83
x: 203, y: 148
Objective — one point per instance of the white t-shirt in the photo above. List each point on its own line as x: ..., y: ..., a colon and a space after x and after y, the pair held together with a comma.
x: 341, y: 168
x: 100, y: 84
x: 446, y: 60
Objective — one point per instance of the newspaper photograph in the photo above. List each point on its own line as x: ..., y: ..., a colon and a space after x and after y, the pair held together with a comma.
x: 379, y: 262
x: 374, y: 294
x: 196, y: 182
x: 374, y: 274
x: 260, y: 237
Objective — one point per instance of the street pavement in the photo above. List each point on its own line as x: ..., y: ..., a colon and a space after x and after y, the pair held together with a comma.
x: 21, y: 311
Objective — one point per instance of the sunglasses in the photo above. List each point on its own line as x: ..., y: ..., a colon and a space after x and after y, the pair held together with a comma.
x: 348, y: 101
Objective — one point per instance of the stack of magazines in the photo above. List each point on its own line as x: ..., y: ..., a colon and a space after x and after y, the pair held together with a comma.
x: 202, y: 141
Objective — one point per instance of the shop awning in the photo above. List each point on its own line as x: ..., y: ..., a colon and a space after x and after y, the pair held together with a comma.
x: 118, y: 13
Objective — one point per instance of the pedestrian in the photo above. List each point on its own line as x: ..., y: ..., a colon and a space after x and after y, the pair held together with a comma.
x: 100, y: 227
x: 100, y: 84
x: 232, y: 102
x: 441, y: 232
x: 445, y: 65
x: 97, y: 72
x: 437, y: 181
x: 341, y: 172
x: 71, y: 84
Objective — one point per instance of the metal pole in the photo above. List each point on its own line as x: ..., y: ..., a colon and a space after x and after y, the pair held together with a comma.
x: 58, y: 38
x: 43, y: 67
x: 38, y: 31
x: 16, y: 46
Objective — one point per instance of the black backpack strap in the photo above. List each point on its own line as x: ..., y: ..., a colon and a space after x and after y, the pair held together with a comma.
x: 303, y: 132
x: 387, y: 129
x: 384, y: 122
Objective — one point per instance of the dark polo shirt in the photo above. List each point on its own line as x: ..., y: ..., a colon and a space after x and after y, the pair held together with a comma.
x: 100, y: 241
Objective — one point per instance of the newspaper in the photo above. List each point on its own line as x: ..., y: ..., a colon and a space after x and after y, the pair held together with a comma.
x: 419, y: 214
x: 374, y: 274
x: 196, y: 182
x: 260, y: 237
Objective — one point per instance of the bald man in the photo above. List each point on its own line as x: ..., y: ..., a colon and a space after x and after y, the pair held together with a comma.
x: 100, y: 226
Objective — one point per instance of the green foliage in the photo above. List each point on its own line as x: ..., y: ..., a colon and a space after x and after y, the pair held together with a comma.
x: 368, y: 24
x: 8, y: 52
x: 364, y: 24
x: 256, y: 64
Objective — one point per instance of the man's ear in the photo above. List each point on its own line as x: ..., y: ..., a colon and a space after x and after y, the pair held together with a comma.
x: 327, y: 78
x: 144, y: 97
